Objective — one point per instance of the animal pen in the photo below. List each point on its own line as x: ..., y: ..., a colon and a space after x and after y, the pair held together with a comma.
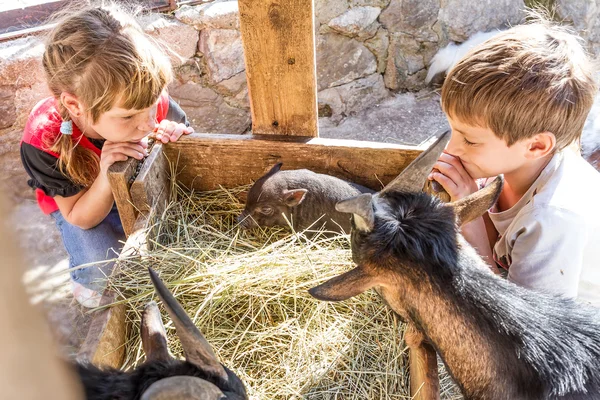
x: 279, y: 50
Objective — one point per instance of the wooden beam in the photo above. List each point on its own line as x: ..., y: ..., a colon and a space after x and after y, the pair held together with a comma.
x: 119, y: 176
x: 152, y: 187
x: 104, y: 344
x: 205, y: 161
x: 279, y: 50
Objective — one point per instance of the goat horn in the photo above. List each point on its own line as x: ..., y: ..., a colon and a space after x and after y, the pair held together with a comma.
x: 197, y: 350
x: 182, y: 388
x: 154, y: 337
x: 412, y: 178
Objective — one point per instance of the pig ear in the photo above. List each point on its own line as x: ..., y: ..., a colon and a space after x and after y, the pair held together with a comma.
x: 476, y: 204
x: 342, y: 287
x: 293, y: 197
x: 361, y: 207
x: 275, y: 169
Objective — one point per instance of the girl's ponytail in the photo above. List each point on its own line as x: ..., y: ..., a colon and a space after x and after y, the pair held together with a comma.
x: 82, y: 165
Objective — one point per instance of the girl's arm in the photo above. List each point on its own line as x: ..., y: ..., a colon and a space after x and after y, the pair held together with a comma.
x: 90, y: 206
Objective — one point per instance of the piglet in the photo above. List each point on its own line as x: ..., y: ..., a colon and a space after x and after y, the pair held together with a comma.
x: 301, y: 196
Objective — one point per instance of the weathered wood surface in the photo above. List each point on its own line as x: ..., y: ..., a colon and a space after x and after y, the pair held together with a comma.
x: 30, y: 366
x: 119, y: 175
x: 424, y: 378
x: 152, y: 188
x: 205, y: 161
x: 104, y: 344
x: 279, y: 50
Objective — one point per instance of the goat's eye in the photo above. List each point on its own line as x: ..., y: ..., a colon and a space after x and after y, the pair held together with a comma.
x: 266, y: 210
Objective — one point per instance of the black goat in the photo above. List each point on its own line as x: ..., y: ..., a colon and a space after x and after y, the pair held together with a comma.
x: 498, y: 340
x: 201, y: 376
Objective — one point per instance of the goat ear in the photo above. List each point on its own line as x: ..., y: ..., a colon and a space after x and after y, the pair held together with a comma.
x: 196, y: 348
x: 475, y: 205
x: 412, y: 178
x: 361, y: 207
x: 293, y: 197
x: 154, y: 337
x: 345, y: 286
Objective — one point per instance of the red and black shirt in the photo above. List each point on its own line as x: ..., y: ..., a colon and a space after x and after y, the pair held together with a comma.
x: 41, y: 164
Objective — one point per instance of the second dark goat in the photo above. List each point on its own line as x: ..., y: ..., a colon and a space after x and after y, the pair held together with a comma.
x: 200, y: 377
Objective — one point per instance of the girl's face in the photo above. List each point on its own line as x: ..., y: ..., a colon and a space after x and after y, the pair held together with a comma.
x: 125, y: 125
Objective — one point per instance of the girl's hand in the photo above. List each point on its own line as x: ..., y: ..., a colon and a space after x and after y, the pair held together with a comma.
x: 449, y: 172
x: 120, y: 151
x: 169, y: 131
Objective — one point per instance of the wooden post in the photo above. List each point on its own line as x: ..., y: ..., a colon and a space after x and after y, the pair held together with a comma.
x: 151, y: 188
x: 119, y: 175
x: 105, y: 340
x: 424, y: 379
x: 279, y: 50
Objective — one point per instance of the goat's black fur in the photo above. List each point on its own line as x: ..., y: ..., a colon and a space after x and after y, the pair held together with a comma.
x: 113, y: 384
x: 545, y: 346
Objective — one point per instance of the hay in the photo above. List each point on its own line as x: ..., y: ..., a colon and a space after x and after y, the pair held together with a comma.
x: 247, y: 292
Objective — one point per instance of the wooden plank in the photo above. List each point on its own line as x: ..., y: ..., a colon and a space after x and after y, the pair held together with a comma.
x: 119, y: 175
x: 152, y: 188
x: 279, y: 50
x: 104, y: 344
x: 205, y: 161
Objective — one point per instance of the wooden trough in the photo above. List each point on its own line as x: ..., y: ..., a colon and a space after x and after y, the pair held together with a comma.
x: 279, y: 48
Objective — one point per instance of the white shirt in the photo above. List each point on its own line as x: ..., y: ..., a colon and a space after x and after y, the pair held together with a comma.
x: 550, y: 239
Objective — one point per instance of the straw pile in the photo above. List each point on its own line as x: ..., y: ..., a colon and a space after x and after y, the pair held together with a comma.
x: 247, y: 293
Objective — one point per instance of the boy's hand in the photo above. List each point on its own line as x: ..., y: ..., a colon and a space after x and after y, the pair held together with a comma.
x: 449, y: 172
x: 169, y: 131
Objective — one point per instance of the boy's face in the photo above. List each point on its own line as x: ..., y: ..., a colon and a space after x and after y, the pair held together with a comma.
x: 482, y: 153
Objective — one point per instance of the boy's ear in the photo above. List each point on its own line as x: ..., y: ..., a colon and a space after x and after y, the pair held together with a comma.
x: 72, y: 104
x: 292, y: 198
x: 540, y: 145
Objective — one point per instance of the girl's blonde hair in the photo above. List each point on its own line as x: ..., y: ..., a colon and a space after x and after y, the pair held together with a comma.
x: 530, y: 79
x: 101, y: 55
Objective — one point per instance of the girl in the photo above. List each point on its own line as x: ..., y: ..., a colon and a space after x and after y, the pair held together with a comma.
x: 108, y: 82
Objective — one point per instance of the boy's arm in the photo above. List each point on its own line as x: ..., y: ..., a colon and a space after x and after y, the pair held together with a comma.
x: 546, y: 250
x: 476, y: 233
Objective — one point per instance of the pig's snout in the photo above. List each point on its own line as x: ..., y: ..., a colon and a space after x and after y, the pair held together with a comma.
x: 244, y: 220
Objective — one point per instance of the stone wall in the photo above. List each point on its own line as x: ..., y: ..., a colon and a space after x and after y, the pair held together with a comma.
x: 366, y: 51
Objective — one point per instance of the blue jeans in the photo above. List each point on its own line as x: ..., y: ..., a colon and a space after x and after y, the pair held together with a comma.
x: 93, y: 245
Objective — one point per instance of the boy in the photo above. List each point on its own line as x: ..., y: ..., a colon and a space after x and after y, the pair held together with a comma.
x: 516, y: 105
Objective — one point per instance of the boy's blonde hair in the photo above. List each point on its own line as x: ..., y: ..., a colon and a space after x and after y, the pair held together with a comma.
x: 527, y: 80
x: 102, y: 56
